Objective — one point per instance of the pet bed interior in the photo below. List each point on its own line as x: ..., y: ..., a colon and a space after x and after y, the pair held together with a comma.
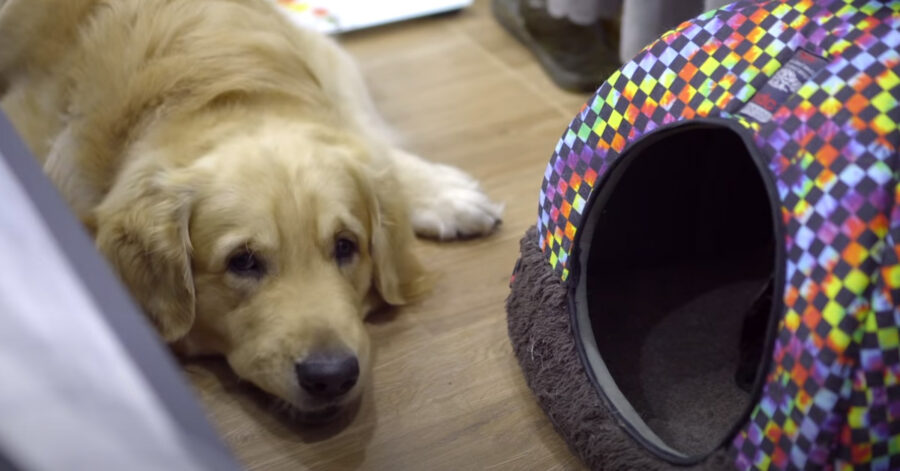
x: 677, y: 258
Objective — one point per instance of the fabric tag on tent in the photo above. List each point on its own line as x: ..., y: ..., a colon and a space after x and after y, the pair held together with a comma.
x: 786, y: 81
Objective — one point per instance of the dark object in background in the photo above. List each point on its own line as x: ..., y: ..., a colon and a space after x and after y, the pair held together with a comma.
x: 753, y: 335
x: 577, y: 58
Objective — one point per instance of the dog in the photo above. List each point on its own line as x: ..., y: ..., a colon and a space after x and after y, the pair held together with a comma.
x: 233, y: 170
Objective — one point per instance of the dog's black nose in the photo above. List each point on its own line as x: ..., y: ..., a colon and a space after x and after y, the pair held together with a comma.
x: 328, y: 375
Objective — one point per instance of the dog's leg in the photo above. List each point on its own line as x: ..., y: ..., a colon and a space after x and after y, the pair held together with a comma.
x: 445, y: 202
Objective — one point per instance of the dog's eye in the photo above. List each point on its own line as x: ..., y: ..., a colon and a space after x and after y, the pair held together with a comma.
x: 245, y: 263
x: 344, y: 250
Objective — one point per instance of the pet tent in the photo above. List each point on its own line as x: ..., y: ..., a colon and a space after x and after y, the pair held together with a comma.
x: 713, y: 279
x: 86, y: 383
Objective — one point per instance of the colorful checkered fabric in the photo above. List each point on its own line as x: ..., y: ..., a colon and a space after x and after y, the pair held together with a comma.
x: 832, y: 398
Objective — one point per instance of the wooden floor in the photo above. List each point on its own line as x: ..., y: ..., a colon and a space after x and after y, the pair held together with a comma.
x: 447, y: 393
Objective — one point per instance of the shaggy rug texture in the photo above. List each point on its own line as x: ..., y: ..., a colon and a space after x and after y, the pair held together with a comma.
x: 543, y: 341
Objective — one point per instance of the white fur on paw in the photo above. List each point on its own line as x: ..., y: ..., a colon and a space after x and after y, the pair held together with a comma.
x: 453, y: 206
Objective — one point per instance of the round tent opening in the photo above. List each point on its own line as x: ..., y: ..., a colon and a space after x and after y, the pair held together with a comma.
x: 674, y: 287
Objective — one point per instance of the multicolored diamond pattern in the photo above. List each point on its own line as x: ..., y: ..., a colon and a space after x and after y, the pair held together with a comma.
x: 832, y: 396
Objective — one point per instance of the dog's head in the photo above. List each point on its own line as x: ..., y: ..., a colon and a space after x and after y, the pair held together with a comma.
x: 269, y: 249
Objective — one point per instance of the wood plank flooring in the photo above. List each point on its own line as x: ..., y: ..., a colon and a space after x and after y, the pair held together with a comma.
x: 446, y: 393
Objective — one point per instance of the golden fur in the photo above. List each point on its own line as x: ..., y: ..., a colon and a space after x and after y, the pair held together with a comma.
x: 182, y: 132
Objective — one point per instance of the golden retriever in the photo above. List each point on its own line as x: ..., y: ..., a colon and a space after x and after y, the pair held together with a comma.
x: 231, y: 167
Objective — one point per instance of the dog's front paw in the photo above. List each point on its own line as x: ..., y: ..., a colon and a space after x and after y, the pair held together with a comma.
x: 452, y: 206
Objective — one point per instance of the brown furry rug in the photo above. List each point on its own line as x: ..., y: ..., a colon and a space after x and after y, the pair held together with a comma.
x: 541, y: 336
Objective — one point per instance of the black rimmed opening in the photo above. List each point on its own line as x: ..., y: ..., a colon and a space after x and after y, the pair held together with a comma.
x: 673, y: 300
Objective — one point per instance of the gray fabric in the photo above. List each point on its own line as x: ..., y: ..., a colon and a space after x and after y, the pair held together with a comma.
x: 145, y: 395
x: 714, y: 4
x: 584, y: 12
x: 645, y: 20
x: 642, y: 20
x: 5, y: 463
x: 542, y: 339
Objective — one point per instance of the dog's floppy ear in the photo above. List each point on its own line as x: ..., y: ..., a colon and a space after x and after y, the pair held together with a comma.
x: 399, y: 277
x: 142, y: 229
